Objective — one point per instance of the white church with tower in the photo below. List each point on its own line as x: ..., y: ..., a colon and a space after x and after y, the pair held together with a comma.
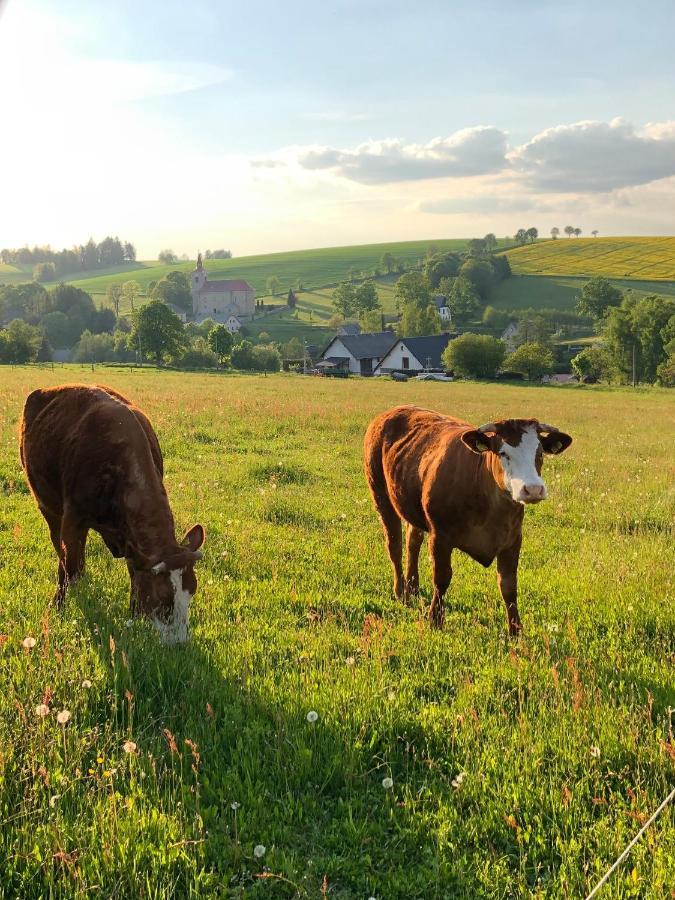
x: 229, y: 302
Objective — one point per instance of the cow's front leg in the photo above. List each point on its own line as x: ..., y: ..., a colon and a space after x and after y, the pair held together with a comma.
x: 440, y: 549
x: 413, y: 540
x: 507, y: 578
x: 73, y: 538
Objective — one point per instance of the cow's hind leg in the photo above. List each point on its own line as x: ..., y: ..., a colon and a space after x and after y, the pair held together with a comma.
x: 441, y: 563
x: 414, y: 539
x: 507, y: 578
x: 54, y: 523
x: 73, y: 539
x: 394, y: 539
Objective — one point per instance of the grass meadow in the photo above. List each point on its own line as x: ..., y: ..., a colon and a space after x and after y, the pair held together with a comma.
x: 643, y: 258
x: 518, y: 768
x: 560, y: 292
x: 313, y: 268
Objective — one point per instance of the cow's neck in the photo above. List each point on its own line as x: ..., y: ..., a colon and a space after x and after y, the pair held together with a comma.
x: 149, y: 526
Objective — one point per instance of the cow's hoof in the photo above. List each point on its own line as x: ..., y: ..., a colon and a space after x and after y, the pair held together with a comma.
x: 437, y: 616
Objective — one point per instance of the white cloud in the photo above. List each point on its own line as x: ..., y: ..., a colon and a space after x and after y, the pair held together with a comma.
x: 472, y: 151
x: 596, y: 157
x: 585, y: 157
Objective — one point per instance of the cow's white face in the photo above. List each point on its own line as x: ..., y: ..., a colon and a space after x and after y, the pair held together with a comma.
x: 519, y: 446
x: 175, y: 630
x: 521, y: 466
x: 163, y: 591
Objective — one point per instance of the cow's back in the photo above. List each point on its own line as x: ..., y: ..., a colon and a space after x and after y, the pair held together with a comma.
x: 405, y: 448
x: 76, y: 441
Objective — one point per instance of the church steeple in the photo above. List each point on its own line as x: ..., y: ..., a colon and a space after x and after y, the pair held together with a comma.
x: 197, y: 282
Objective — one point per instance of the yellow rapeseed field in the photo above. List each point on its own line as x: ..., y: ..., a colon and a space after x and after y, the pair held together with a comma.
x: 613, y: 257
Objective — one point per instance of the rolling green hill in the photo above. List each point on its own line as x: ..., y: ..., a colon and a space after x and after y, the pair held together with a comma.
x: 558, y: 292
x: 313, y: 268
x: 642, y: 258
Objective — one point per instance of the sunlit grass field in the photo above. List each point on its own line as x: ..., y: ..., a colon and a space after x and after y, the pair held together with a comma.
x: 312, y: 267
x: 646, y: 258
x: 518, y: 769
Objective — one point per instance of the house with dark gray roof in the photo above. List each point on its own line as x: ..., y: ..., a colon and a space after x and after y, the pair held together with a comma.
x: 357, y: 353
x: 349, y: 328
x: 415, y: 354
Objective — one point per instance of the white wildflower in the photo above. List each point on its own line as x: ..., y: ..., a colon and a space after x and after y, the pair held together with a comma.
x: 457, y: 781
x: 595, y: 752
x: 312, y: 716
x: 42, y: 710
x: 63, y: 717
x: 387, y: 783
x: 86, y: 683
x: 259, y: 851
x: 234, y: 805
x: 128, y: 623
x: 29, y: 642
x: 54, y: 799
x: 129, y: 747
x: 350, y: 661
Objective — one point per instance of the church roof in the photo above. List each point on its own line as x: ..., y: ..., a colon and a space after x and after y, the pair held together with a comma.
x: 217, y: 287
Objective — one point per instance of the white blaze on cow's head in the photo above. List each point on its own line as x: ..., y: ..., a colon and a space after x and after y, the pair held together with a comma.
x: 163, y: 592
x: 519, y: 445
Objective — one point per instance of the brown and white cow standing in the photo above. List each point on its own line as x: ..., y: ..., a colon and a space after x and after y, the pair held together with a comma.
x: 93, y: 462
x: 464, y: 486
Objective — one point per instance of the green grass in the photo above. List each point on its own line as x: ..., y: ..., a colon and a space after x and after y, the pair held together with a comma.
x: 294, y: 613
x: 558, y: 292
x: 315, y: 268
x: 645, y: 258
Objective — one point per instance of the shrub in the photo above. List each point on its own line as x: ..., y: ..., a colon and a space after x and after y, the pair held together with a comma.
x: 477, y: 355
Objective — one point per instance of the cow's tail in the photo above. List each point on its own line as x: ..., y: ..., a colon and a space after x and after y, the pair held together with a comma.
x: 373, y: 465
x: 35, y: 403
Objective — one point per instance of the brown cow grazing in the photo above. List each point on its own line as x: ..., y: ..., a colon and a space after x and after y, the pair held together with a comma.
x: 464, y: 486
x: 93, y: 461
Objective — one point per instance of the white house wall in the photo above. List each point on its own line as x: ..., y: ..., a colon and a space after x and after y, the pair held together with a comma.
x: 393, y: 361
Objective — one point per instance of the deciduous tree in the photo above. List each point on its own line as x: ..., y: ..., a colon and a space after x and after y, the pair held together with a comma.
x: 532, y: 360
x: 475, y: 355
x: 159, y: 331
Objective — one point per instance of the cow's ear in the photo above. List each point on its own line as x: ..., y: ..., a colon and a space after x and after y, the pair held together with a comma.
x: 555, y: 442
x: 477, y: 441
x: 194, y: 538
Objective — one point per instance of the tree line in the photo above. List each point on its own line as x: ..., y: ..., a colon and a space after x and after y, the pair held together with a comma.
x: 49, y: 265
x: 465, y: 280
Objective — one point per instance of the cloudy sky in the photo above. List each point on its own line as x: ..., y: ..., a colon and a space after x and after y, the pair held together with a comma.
x: 262, y: 126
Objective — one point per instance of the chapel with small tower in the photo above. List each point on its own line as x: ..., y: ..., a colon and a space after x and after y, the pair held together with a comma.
x: 223, y: 300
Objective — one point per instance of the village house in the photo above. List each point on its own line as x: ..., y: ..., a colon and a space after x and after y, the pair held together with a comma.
x: 441, y: 304
x: 227, y: 301
x: 509, y: 336
x: 415, y: 354
x: 356, y: 353
x: 349, y: 328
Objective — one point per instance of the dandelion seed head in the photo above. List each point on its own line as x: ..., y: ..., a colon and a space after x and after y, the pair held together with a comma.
x: 42, y: 710
x: 312, y: 716
x: 129, y: 747
x: 234, y: 805
x: 387, y: 783
x: 86, y: 683
x: 63, y: 717
x: 29, y: 642
x: 259, y: 851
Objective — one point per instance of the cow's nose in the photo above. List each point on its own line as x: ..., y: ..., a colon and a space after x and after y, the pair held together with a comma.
x: 532, y: 493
